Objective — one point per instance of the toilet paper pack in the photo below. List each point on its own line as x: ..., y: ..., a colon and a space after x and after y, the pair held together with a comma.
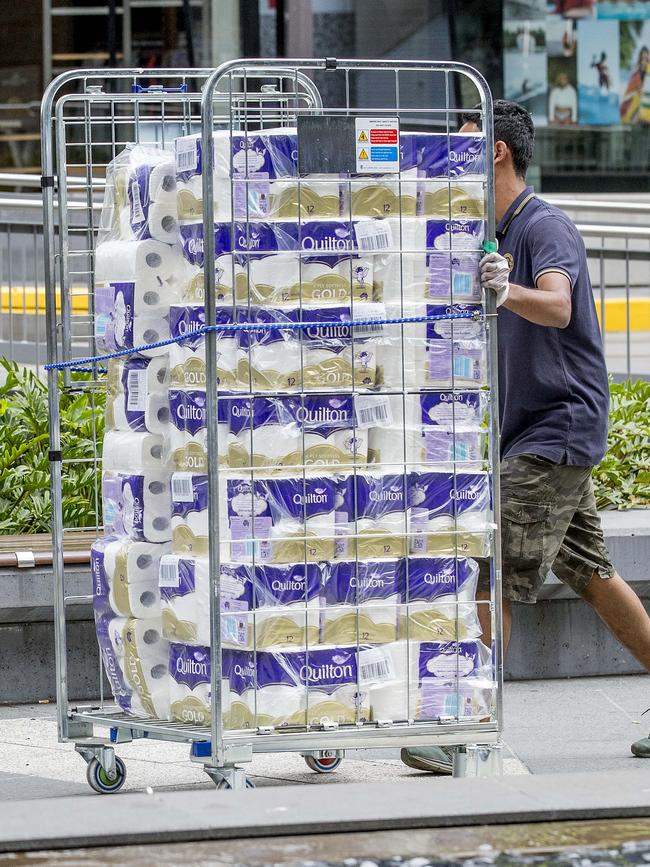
x: 128, y: 450
x: 454, y: 155
x: 436, y: 353
x: 151, y: 190
x: 136, y: 394
x: 450, y: 513
x: 371, y: 515
x: 361, y: 601
x: 190, y: 686
x: 186, y: 441
x: 125, y: 577
x: 440, y: 596
x: 135, y: 657
x: 137, y: 505
x: 432, y: 679
x: 383, y: 196
x: 124, y: 318
x: 256, y: 176
x: 290, y: 432
x: 187, y: 357
x: 316, y: 687
x: 287, y: 604
x: 185, y: 594
x: 430, y: 428
x: 189, y: 501
x: 230, y: 268
x: 312, y: 262
x: 280, y: 519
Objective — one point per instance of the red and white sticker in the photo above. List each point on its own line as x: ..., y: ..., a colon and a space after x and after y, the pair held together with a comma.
x: 377, y: 145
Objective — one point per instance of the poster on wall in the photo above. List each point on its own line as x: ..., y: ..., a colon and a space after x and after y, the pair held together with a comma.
x: 598, y: 52
x: 525, y: 65
x: 635, y: 71
x: 561, y: 71
x: 623, y: 10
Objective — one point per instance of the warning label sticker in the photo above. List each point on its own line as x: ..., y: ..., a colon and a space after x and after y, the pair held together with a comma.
x: 377, y: 145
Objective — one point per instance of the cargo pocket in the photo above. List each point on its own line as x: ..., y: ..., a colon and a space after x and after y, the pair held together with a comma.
x: 523, y: 527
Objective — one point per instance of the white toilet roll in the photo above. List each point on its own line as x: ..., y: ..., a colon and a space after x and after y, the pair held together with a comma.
x: 146, y: 506
x: 125, y: 577
x: 130, y: 451
x: 152, y: 418
x: 131, y: 261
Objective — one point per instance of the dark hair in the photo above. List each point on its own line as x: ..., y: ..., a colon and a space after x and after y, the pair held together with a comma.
x: 514, y: 126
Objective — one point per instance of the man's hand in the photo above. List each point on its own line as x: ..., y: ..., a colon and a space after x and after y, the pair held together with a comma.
x: 495, y: 275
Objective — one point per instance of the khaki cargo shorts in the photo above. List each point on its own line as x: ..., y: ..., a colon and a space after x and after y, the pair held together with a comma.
x: 549, y: 521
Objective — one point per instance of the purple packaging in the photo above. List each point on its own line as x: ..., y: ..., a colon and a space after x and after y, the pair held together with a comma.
x: 454, y: 275
x: 434, y: 494
x: 454, y: 155
x: 350, y: 582
x: 286, y: 585
x: 121, y: 692
x: 449, y: 408
x: 101, y: 589
x: 458, y: 235
x: 189, y: 665
x: 427, y: 578
x: 325, y: 670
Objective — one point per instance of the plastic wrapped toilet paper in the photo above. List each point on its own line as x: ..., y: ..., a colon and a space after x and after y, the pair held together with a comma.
x: 450, y: 513
x: 136, y: 394
x: 256, y: 176
x: 428, y: 678
x: 387, y: 195
x: 189, y: 496
x: 125, y: 577
x: 371, y: 516
x: 124, y: 320
x: 229, y: 265
x: 190, y: 686
x: 436, y: 353
x: 429, y: 428
x: 294, y: 432
x: 316, y: 687
x: 185, y: 593
x: 452, y: 199
x: 317, y: 357
x: 361, y: 601
x: 137, y: 505
x: 135, y: 657
x: 130, y: 451
x: 187, y: 358
x: 428, y: 258
x: 186, y: 442
x: 287, y: 603
x: 456, y: 156
x: 280, y: 519
x: 440, y: 593
x: 151, y: 190
x: 151, y: 263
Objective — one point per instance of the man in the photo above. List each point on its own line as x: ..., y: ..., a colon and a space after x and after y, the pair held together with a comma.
x: 563, y: 102
x: 553, y: 406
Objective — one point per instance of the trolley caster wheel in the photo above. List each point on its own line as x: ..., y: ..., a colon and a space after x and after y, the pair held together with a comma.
x: 223, y: 783
x: 323, y: 764
x: 99, y: 780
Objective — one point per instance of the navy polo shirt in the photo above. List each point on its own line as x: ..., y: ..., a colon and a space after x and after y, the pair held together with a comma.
x: 553, y: 388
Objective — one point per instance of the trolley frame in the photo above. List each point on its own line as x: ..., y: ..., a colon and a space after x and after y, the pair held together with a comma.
x: 217, y: 750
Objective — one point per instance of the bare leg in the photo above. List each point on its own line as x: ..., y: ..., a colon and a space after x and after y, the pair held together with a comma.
x: 621, y: 610
x: 485, y: 620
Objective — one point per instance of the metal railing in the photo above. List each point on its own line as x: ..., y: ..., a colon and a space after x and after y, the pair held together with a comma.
x: 619, y: 264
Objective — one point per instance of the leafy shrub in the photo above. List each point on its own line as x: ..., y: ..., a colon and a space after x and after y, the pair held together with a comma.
x: 25, y: 502
x: 622, y: 479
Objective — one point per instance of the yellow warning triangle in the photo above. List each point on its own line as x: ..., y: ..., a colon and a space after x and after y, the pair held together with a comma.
x: 363, y: 155
x: 363, y: 136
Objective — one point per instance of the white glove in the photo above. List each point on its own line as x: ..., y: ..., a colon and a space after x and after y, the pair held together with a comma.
x: 495, y: 275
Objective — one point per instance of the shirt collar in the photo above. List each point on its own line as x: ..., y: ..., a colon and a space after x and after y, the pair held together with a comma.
x: 507, y: 217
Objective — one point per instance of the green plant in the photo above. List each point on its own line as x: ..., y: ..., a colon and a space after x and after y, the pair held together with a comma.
x: 25, y: 502
x: 622, y: 479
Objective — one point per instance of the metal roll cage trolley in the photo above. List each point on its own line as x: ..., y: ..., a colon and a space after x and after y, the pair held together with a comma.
x: 87, y: 117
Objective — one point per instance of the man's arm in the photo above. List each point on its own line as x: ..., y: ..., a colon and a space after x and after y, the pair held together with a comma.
x: 549, y: 304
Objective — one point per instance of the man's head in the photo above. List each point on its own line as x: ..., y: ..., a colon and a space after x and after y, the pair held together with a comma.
x: 562, y: 80
x: 514, y: 137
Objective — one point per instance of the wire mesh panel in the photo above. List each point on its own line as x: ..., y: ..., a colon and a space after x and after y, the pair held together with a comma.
x: 275, y: 308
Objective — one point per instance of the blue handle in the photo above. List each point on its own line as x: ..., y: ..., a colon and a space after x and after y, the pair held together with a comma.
x: 158, y: 88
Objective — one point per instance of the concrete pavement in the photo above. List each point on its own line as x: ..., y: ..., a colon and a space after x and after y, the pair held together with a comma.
x: 551, y: 725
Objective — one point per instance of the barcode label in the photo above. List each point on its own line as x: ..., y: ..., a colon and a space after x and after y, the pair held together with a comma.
x: 168, y: 574
x: 182, y: 490
x: 186, y: 155
x: 375, y: 664
x: 462, y: 366
x: 373, y: 411
x: 137, y: 214
x: 373, y: 235
x: 136, y: 384
x: 370, y: 313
